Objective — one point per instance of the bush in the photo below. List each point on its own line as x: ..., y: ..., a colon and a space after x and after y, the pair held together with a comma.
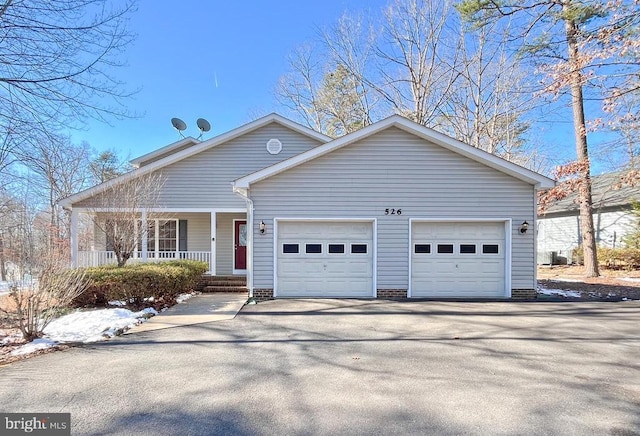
x: 141, y: 285
x: 616, y: 258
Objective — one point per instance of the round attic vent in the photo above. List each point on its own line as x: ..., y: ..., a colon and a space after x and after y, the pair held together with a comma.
x: 274, y: 146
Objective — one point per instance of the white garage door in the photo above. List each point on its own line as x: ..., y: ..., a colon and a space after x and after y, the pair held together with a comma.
x: 458, y: 259
x: 324, y: 259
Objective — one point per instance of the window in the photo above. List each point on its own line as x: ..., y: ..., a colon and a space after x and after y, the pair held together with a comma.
x: 167, y: 235
x: 336, y: 248
x: 490, y: 249
x: 358, y: 248
x: 445, y: 248
x: 313, y: 248
x: 422, y: 249
x: 162, y: 235
x: 290, y: 248
x: 467, y: 248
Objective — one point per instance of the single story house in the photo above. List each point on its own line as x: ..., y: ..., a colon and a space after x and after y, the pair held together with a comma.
x: 613, y: 218
x: 392, y: 210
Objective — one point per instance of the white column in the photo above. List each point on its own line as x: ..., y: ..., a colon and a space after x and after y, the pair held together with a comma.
x: 212, y: 259
x: 74, y: 238
x: 145, y: 235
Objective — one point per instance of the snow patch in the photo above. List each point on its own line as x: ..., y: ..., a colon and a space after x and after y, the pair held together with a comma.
x: 33, y: 346
x: 631, y: 279
x: 558, y: 292
x: 564, y: 279
x: 183, y: 297
x: 87, y: 326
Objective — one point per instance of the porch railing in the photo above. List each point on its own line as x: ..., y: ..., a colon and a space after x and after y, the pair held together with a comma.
x: 99, y: 258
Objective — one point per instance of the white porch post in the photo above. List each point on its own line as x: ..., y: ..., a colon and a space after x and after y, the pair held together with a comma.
x: 145, y: 235
x: 74, y: 238
x: 212, y: 259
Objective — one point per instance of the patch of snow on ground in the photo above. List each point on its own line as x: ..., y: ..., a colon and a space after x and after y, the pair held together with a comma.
x: 4, y: 287
x: 87, y: 326
x: 183, y: 297
x: 558, y: 292
x: 562, y: 279
x: 631, y: 279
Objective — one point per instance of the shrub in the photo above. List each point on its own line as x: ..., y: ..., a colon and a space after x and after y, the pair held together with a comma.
x: 624, y: 257
x: 141, y: 285
x: 32, y: 306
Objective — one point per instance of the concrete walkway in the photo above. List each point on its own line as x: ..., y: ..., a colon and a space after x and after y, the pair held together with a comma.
x: 196, y: 310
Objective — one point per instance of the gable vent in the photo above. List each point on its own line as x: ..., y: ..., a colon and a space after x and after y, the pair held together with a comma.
x: 274, y: 146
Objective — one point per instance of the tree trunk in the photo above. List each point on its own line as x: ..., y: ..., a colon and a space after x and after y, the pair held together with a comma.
x: 584, y: 193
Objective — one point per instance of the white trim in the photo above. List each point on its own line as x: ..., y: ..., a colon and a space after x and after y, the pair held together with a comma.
x: 92, y: 210
x: 74, y: 238
x: 534, y: 229
x: 374, y: 251
x: 188, y: 152
x: 411, y: 127
x: 507, y: 244
x: 213, y: 233
x: 233, y: 245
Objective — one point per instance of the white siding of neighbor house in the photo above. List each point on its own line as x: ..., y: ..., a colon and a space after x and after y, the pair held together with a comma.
x: 225, y: 243
x: 562, y: 234
x: 393, y: 169
x: 205, y: 180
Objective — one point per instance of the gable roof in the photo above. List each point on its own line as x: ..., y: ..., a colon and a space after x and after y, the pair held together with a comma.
x: 167, y: 149
x: 606, y: 191
x: 184, y: 153
x: 411, y: 127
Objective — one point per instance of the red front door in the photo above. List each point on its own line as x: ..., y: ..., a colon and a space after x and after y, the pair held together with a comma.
x: 240, y: 244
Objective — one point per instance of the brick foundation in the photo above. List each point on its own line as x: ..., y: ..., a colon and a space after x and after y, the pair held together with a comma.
x: 524, y: 294
x: 263, y: 294
x: 391, y: 294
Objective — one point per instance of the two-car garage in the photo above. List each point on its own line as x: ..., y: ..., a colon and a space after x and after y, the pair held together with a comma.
x: 448, y: 259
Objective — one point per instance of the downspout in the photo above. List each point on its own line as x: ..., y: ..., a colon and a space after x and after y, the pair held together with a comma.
x: 244, y: 194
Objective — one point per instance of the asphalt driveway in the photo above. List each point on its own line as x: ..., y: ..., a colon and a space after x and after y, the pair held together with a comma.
x: 353, y: 367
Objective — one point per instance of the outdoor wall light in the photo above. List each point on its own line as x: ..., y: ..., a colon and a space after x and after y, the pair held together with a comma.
x: 524, y: 227
x: 263, y: 227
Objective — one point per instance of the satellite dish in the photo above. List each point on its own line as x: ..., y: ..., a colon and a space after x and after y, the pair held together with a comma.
x: 178, y: 124
x: 203, y: 125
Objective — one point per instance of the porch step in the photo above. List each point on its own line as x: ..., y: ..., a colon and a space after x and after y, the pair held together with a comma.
x: 223, y: 284
x: 225, y: 289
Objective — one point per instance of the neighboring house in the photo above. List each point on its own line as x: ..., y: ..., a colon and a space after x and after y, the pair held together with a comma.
x: 392, y: 210
x: 559, y: 225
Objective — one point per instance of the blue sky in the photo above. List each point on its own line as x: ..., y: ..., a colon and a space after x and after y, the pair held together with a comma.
x: 219, y: 60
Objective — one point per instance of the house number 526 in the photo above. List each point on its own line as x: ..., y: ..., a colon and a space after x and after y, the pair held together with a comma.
x: 393, y: 211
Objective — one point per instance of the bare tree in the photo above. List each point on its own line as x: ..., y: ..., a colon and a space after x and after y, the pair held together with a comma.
x: 298, y: 89
x: 417, y: 58
x: 58, y: 168
x: 418, y: 61
x: 34, y: 305
x: 57, y: 63
x: 118, y: 212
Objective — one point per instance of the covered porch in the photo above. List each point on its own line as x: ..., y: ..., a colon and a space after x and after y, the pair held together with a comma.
x: 217, y: 237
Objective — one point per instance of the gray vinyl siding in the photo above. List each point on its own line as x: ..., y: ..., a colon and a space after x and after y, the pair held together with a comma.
x: 205, y: 180
x: 394, y: 169
x: 198, y: 230
x: 225, y: 243
x: 562, y: 233
x: 163, y: 155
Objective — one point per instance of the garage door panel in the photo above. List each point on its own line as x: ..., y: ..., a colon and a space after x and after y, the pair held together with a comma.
x: 334, y: 271
x: 468, y: 270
